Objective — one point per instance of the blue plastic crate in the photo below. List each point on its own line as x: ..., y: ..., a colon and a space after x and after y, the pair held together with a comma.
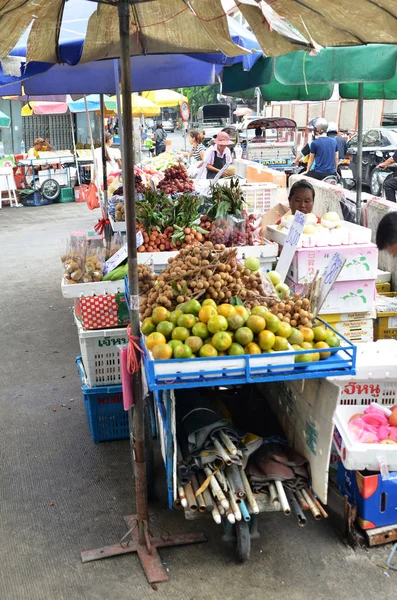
x: 104, y: 407
x: 35, y: 199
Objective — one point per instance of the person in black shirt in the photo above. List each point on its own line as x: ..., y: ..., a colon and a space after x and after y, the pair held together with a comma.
x: 390, y: 185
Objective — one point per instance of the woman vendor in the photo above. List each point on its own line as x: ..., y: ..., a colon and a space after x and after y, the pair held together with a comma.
x: 217, y: 157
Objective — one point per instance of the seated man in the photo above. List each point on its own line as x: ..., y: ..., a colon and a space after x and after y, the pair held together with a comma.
x: 37, y: 147
x: 258, y: 135
x: 34, y: 153
x: 323, y: 150
x: 390, y: 185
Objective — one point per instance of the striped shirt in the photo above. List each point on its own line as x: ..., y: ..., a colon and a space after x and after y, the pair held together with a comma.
x: 196, y: 152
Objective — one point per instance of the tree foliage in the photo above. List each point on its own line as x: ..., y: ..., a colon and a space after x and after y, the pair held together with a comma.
x: 198, y: 96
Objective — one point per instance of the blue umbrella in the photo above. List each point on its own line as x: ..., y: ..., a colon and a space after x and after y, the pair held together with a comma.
x: 148, y: 72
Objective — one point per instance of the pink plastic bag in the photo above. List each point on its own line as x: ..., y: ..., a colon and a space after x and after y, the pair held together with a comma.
x: 126, y: 379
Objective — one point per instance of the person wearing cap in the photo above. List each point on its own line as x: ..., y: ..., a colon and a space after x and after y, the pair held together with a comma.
x: 217, y: 156
x: 333, y: 133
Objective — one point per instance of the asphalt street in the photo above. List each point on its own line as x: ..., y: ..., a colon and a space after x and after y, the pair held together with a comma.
x: 61, y: 494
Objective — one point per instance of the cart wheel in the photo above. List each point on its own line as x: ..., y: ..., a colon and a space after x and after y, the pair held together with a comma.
x: 50, y: 189
x: 243, y: 540
x: 149, y: 447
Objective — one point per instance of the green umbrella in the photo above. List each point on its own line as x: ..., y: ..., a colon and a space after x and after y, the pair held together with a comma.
x: 378, y: 90
x: 373, y: 63
x: 357, y: 64
x: 5, y: 120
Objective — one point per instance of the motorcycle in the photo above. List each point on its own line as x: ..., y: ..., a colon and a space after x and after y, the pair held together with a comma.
x: 379, y: 176
x: 346, y: 174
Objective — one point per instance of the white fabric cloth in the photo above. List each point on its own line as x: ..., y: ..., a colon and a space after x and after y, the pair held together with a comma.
x: 112, y: 164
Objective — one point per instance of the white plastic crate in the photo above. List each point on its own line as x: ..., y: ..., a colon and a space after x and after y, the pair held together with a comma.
x: 101, y: 355
x: 356, y: 455
x: 259, y: 197
x: 376, y: 376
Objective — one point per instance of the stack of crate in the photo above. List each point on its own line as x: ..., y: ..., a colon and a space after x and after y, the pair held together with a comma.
x: 350, y: 305
x: 101, y: 331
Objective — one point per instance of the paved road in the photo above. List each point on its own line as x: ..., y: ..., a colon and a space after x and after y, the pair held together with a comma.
x: 61, y: 494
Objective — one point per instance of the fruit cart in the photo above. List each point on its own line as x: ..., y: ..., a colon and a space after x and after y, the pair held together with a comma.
x: 166, y: 378
x: 53, y: 178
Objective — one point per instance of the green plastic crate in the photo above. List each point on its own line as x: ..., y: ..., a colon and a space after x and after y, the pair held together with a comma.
x: 66, y: 195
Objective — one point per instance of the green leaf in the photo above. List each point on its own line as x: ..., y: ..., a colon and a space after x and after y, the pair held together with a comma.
x: 236, y: 301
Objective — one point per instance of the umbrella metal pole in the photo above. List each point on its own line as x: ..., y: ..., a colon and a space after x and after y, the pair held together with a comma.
x: 359, y: 152
x: 103, y: 140
x: 142, y: 542
x: 108, y: 229
x: 116, y: 68
x: 74, y: 147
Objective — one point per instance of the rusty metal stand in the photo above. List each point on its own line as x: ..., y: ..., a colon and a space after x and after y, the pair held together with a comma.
x: 147, y: 552
x: 142, y: 541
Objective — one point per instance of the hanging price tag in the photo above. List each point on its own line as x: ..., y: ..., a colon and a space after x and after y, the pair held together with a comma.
x: 120, y: 256
x: 290, y: 244
x: 328, y: 278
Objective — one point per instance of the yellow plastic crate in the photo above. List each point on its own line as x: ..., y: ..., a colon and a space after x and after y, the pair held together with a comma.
x: 385, y: 327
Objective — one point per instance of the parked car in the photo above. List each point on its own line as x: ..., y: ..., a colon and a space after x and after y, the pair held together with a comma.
x: 169, y: 125
x: 379, y: 143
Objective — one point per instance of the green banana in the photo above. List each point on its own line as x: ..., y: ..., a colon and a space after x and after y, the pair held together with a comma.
x: 117, y: 274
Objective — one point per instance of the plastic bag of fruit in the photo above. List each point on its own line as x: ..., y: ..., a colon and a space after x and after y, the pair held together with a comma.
x: 220, y: 226
x: 253, y: 229
x: 236, y: 230
x: 94, y: 261
x: 73, y: 253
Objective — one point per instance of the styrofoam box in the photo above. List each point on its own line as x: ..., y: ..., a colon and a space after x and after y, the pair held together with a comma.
x: 118, y: 225
x: 345, y: 296
x: 356, y: 455
x: 383, y: 276
x: 97, y: 288
x: 375, y: 361
x: 361, y: 262
x: 352, y: 234
x: 267, y: 254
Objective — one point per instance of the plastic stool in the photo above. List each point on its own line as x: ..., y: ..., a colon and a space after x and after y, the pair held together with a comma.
x: 7, y: 183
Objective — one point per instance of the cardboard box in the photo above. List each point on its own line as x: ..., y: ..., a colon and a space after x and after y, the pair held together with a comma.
x: 381, y: 288
x: 271, y: 217
x: 349, y: 316
x: 376, y: 498
x: 356, y: 331
x: 261, y: 174
x: 385, y: 327
x: 345, y: 296
x: 361, y: 262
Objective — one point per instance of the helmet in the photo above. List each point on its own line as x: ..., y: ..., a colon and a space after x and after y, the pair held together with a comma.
x: 320, y: 125
x: 332, y: 128
x: 310, y: 124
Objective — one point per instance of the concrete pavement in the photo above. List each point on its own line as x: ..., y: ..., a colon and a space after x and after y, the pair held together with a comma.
x: 61, y: 494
